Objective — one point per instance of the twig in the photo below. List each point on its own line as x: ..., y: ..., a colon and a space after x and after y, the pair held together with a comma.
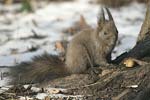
x: 141, y: 63
x: 118, y: 97
x: 101, y: 82
x: 2, y: 98
x: 1, y: 75
x: 6, y: 67
x: 9, y: 93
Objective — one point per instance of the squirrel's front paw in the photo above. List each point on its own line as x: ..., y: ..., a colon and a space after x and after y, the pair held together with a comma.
x: 111, y: 66
x: 107, y: 65
x: 94, y: 74
x: 95, y: 71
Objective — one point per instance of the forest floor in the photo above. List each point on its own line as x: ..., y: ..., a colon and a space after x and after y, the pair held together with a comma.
x: 24, y: 35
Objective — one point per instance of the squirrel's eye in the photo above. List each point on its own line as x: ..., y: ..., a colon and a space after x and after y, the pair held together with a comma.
x: 105, y: 33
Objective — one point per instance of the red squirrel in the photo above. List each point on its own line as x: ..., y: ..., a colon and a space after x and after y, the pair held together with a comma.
x: 88, y: 48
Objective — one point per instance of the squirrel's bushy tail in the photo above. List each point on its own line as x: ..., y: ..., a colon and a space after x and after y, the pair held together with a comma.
x: 41, y: 69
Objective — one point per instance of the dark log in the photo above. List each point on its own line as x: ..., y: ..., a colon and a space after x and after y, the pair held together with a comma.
x: 139, y: 51
x: 142, y: 48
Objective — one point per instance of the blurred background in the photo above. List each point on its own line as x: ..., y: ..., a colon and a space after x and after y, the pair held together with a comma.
x: 33, y: 27
x: 109, y: 3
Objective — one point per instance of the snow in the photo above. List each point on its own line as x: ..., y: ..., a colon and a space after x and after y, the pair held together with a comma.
x: 51, y: 20
x: 41, y: 96
x: 3, y: 81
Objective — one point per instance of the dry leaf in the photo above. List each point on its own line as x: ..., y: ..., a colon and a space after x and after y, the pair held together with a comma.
x: 47, y: 98
x: 14, y: 51
x: 105, y: 72
x: 77, y: 26
x: 8, y: 2
x: 53, y: 91
x: 59, y: 46
x: 82, y: 22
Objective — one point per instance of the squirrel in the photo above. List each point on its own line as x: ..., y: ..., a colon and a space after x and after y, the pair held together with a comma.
x: 88, y: 48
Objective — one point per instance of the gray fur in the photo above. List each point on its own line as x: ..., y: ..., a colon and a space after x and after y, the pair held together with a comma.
x: 96, y: 44
x: 88, y: 48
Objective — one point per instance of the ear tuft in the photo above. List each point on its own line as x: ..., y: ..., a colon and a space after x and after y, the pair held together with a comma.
x: 109, y: 14
x: 101, y: 18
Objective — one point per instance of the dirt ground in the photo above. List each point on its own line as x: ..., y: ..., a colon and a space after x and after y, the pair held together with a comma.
x: 115, y: 83
x: 120, y: 83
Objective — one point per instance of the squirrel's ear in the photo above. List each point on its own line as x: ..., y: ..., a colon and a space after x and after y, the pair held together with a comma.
x: 111, y: 19
x: 110, y: 16
x: 101, y: 18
